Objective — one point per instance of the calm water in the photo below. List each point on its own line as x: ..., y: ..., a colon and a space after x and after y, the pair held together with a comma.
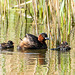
x: 38, y: 62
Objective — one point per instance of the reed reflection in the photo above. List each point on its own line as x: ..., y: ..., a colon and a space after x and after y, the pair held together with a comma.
x: 21, y: 62
x: 38, y: 55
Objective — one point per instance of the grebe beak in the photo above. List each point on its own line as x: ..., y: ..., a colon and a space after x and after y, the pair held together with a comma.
x: 46, y: 38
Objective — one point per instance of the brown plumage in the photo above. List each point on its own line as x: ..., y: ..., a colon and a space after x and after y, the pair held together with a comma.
x: 7, y: 45
x: 33, y: 42
x: 64, y: 46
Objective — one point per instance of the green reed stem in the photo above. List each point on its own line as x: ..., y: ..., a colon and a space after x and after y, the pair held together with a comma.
x: 69, y: 14
x: 47, y: 16
x: 35, y: 16
x: 58, y: 26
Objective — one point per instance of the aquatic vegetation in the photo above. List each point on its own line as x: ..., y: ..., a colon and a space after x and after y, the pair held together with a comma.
x: 36, y: 16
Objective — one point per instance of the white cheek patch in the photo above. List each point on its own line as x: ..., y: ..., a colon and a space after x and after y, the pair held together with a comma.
x: 46, y: 38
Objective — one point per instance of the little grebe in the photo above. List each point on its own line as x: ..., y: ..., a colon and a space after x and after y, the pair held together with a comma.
x: 64, y: 46
x: 33, y: 42
x: 7, y: 45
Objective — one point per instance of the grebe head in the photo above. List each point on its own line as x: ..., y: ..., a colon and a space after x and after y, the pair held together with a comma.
x: 10, y: 42
x: 65, y: 43
x: 42, y: 37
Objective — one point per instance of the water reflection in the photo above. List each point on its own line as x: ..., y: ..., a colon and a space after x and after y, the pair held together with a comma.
x: 38, y: 62
x: 38, y: 54
x: 21, y: 62
x: 8, y: 50
x: 59, y: 63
